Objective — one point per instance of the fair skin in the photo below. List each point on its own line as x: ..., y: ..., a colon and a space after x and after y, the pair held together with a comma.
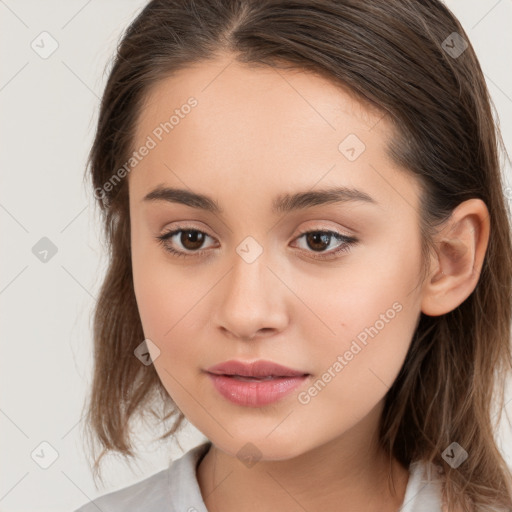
x: 256, y: 134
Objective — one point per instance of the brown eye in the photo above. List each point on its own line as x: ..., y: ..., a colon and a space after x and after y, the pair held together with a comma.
x: 191, y: 239
x: 318, y: 240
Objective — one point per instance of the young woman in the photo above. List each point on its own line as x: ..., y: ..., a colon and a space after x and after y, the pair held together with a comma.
x: 310, y: 258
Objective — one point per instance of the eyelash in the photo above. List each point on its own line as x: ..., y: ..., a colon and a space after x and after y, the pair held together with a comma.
x: 348, y: 241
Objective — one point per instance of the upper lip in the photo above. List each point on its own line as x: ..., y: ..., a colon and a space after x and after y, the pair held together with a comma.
x: 254, y: 369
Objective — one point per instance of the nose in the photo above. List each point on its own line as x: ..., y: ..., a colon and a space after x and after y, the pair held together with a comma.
x: 251, y: 301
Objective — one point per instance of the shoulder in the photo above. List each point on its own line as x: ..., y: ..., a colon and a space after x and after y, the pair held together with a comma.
x: 424, y: 489
x: 143, y: 495
x: 166, y: 490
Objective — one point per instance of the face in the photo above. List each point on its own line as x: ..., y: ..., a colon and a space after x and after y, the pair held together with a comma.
x: 329, y: 288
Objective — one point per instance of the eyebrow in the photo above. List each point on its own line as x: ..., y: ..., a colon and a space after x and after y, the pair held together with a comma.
x: 283, y: 203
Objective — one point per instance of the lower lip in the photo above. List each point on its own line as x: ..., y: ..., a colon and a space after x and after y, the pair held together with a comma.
x: 255, y: 393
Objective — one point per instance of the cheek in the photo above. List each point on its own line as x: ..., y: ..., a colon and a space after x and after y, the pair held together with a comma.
x: 373, y: 313
x: 171, y: 306
x: 354, y: 370
x: 345, y: 301
x: 159, y: 286
x: 167, y: 304
x: 169, y: 320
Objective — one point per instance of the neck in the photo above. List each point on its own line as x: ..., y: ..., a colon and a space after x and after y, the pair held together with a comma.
x: 352, y: 470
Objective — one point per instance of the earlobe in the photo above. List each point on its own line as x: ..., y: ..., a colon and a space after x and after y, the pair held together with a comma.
x: 461, y: 245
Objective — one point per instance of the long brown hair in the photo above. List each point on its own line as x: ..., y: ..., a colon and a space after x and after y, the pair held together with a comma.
x: 403, y: 57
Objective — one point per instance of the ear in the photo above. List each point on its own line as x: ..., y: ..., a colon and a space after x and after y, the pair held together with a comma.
x: 460, y: 246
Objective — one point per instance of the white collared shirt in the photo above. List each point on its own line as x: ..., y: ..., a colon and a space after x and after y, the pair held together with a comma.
x: 175, y: 489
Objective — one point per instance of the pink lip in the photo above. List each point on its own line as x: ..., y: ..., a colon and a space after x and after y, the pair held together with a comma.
x: 280, y: 381
x: 259, y: 368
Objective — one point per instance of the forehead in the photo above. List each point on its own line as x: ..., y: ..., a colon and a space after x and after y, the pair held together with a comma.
x: 225, y: 90
x: 257, y: 128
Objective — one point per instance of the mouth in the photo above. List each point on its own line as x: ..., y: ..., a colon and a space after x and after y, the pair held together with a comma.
x: 255, y: 383
x: 254, y: 370
x: 247, y: 391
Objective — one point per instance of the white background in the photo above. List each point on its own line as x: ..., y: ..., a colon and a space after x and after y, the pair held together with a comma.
x: 49, y: 108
